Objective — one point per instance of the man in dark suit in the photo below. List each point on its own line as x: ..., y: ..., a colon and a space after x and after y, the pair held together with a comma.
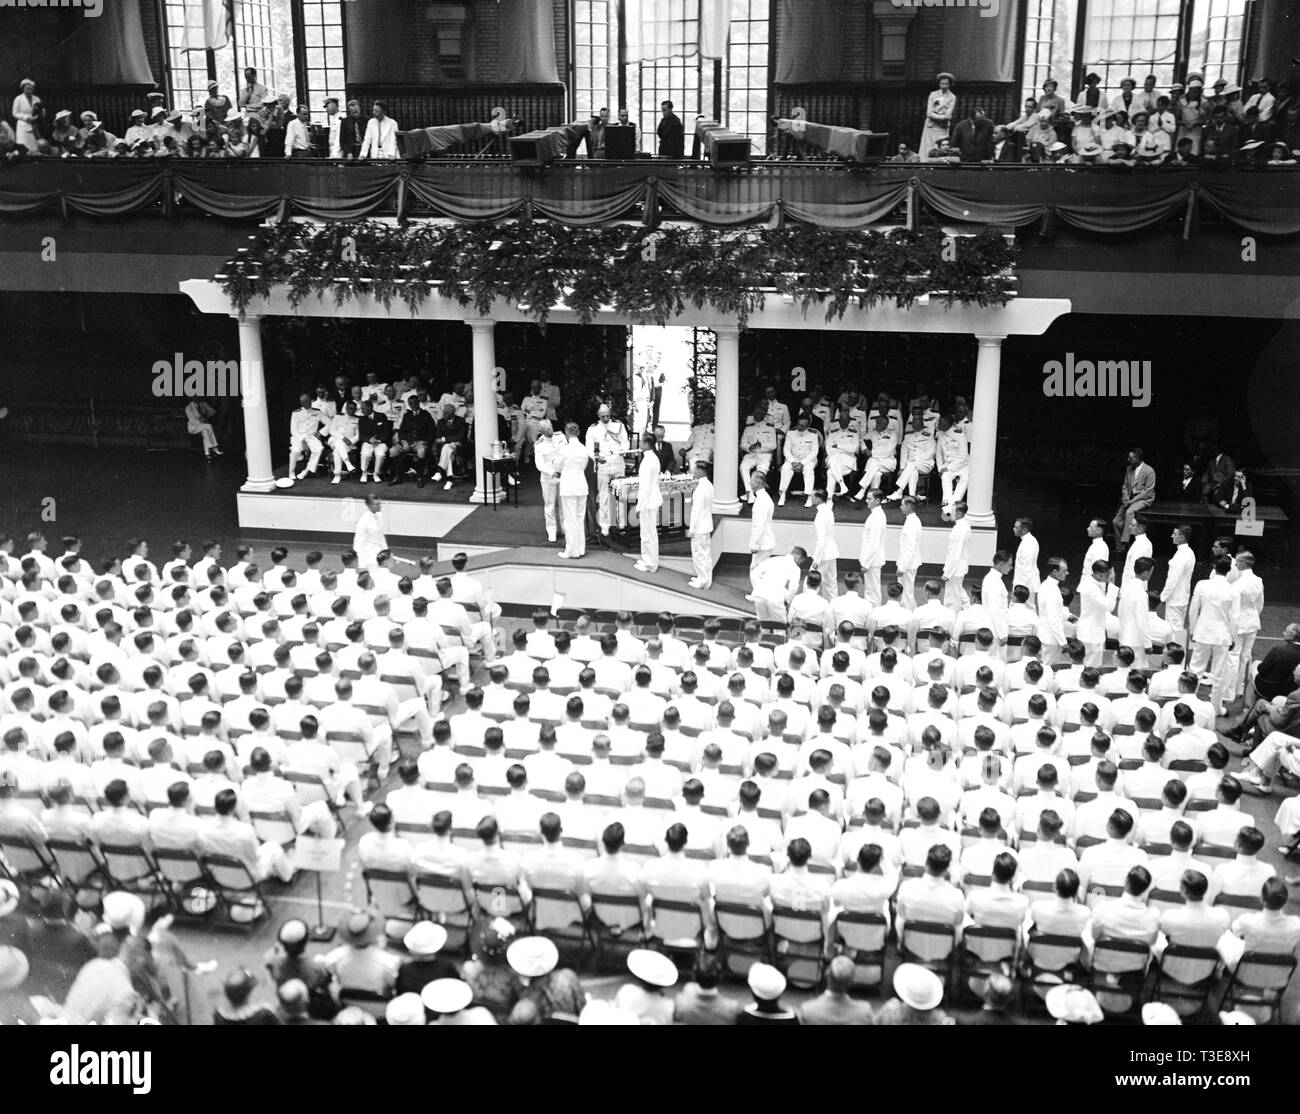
x: 1186, y: 488
x: 352, y: 131
x: 806, y: 414
x: 450, y: 434
x: 973, y: 137
x: 664, y: 451
x: 411, y: 444
x: 595, y: 137
x: 672, y: 133
x: 1216, y: 481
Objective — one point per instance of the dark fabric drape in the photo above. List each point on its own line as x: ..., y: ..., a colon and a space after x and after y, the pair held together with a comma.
x: 812, y: 42
x: 1102, y: 200
x: 978, y: 45
x: 527, y: 38
x: 118, y: 52
x: 378, y: 44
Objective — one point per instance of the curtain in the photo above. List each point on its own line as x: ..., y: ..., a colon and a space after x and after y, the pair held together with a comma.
x: 527, y: 37
x: 653, y: 35
x: 812, y: 41
x: 977, y: 48
x: 715, y: 28
x: 118, y: 52
x: 376, y: 50
x: 206, y: 27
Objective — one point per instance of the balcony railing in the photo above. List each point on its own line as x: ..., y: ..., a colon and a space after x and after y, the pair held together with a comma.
x: 1100, y: 200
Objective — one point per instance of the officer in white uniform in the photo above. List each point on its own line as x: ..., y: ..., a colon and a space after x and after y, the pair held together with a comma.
x: 699, y: 446
x: 533, y: 411
x: 909, y: 552
x: 871, y: 554
x: 826, y: 550
x: 801, y: 448
x: 886, y: 406
x: 700, y: 527
x: 572, y: 460
x: 952, y: 455
x: 649, y: 498
x: 304, y: 425
x: 778, y: 413
x: 884, y: 447
x: 916, y: 459
x: 843, y: 444
x: 547, y: 450
x: 1178, y: 580
x: 758, y: 444
x: 956, y: 562
x: 342, y: 433
x: 607, y: 441
x: 369, y: 541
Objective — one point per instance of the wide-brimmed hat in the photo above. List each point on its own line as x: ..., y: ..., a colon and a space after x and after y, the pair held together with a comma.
x: 1083, y: 110
x: 214, y: 85
x: 533, y: 956
x: 62, y: 114
x: 405, y: 1009
x: 361, y: 927
x: 601, y: 1011
x: 1254, y: 144
x: 1235, y: 1017
x: 1057, y: 146
x: 123, y: 910
x: 158, y: 112
x: 447, y: 995
x: 496, y: 937
x: 652, y: 967
x: 1177, y: 86
x: 940, y: 76
x: 425, y: 938
x: 1230, y: 90
x: 137, y: 112
x: 1090, y: 149
x: 175, y: 116
x: 766, y: 983
x: 918, y: 986
x: 1160, y: 1013
x: 1044, y: 114
x: 293, y: 931
x: 13, y: 968
x: 8, y: 897
x: 26, y: 81
x: 1073, y: 1004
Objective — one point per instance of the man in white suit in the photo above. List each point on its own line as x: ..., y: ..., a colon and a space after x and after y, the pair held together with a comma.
x: 1139, y: 545
x: 1250, y: 595
x: 871, y: 554
x: 546, y: 454
x: 1097, y: 549
x: 607, y: 441
x: 1097, y: 598
x: 993, y: 594
x: 909, y: 551
x: 1026, y: 570
x: 572, y: 460
x: 762, y: 539
x: 1178, y: 580
x: 649, y: 498
x: 700, y: 528
x: 1136, y: 494
x: 826, y: 551
x: 957, y: 561
x: 952, y: 457
x: 1212, y: 622
x: 1134, y: 612
x: 1051, y: 610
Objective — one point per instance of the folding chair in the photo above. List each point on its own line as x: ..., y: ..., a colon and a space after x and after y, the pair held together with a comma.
x: 1239, y: 903
x: 1258, y: 984
x: 236, y: 889
x: 274, y: 827
x: 309, y: 788
x: 77, y: 863
x: 351, y: 747
x: 742, y: 935
x: 1119, y: 971
x: 24, y: 862
x: 1048, y: 961
x: 676, y: 926
x: 1163, y: 900
x: 131, y: 869
x: 442, y: 899
x: 391, y: 892
x: 985, y: 951
x: 799, y: 941
x: 189, y: 889
x: 931, y: 945
x: 497, y: 900
x: 559, y: 914
x: 862, y: 937
x: 615, y: 918
x: 1186, y: 978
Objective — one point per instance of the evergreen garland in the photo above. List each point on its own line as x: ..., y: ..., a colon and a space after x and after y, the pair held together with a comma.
x: 645, y: 275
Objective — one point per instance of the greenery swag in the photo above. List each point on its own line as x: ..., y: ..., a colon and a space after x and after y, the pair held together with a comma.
x: 646, y: 275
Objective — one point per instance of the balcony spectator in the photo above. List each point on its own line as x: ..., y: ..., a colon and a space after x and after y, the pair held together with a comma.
x: 1154, y: 145
x: 352, y: 131
x: 939, y: 110
x: 138, y: 131
x: 1020, y: 126
x: 1192, y: 112
x: 239, y: 142
x: 1091, y: 95
x: 1056, y: 108
x: 297, y: 137
x: 1040, y: 136
x: 943, y: 151
x: 27, y: 113
x: 380, y: 141
x: 1083, y: 132
x: 671, y: 133
x: 275, y: 121
x: 1127, y: 100
x: 1115, y: 131
x: 1281, y: 155
x: 64, y: 138
x: 1004, y: 146
x: 973, y: 136
x: 904, y: 154
x: 1222, y: 129
x: 216, y: 108
x: 253, y: 93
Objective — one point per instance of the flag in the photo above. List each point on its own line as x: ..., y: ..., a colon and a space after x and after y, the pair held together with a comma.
x: 715, y: 28
x: 206, y: 26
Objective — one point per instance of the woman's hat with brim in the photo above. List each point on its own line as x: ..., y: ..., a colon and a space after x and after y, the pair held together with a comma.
x: 8, y: 897
x: 360, y: 928
x: 940, y: 76
x: 766, y: 983
x: 1160, y: 1013
x: 425, y: 938
x: 13, y: 968
x: 652, y: 967
x: 405, y: 1009
x: 918, y: 986
x: 123, y: 910
x: 533, y: 956
x: 1074, y: 1004
x: 444, y: 996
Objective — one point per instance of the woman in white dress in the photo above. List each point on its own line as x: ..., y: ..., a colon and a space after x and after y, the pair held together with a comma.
x: 27, y: 107
x: 939, y: 109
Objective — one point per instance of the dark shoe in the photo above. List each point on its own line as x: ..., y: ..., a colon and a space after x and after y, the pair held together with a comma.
x: 421, y: 480
x: 1236, y: 734
x: 394, y: 481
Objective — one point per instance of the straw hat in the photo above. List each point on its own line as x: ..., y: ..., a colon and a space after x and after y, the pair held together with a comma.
x: 425, y: 938
x: 1074, y: 1004
x: 360, y: 928
x: 8, y: 897
x: 766, y: 983
x: 446, y: 996
x: 1160, y: 1013
x: 534, y: 956
x: 123, y: 910
x: 652, y: 967
x: 405, y: 1009
x: 918, y: 986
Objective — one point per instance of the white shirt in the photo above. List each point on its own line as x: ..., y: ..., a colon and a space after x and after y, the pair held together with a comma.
x: 761, y: 535
x: 825, y: 548
x: 1178, y: 582
x: 957, y: 560
x: 909, y: 546
x: 701, y: 524
x: 380, y: 141
x: 872, y: 552
x: 1026, y: 567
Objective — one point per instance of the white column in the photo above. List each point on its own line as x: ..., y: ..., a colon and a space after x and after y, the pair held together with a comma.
x: 252, y: 390
x: 984, y: 430
x: 726, y: 421
x: 485, y: 406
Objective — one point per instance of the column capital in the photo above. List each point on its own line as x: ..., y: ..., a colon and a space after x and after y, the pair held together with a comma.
x: 243, y: 318
x: 480, y: 324
x: 990, y: 340
x: 730, y: 330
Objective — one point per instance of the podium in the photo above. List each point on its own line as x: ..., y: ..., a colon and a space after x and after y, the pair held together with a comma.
x: 620, y: 141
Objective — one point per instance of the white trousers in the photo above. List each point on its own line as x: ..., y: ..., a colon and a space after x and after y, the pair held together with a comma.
x: 574, y: 508
x: 208, y: 434
x: 1271, y: 754
x: 907, y: 577
x: 550, y: 498
x: 954, y: 484
x: 873, y: 473
x: 1207, y: 658
x: 1176, y: 617
x: 787, y: 474
x: 955, y: 595
x: 830, y: 579
x: 372, y: 458
x: 702, y: 558
x: 603, y: 477
x: 749, y: 463
x: 340, y: 449
x: 908, y: 477
x: 447, y: 459
x: 839, y: 466
x: 300, y: 445
x: 649, y: 525
x: 757, y: 557
x: 1239, y: 658
x: 871, y: 584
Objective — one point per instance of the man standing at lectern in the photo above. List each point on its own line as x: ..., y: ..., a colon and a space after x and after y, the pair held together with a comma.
x: 672, y: 133
x: 649, y: 498
x: 607, y: 441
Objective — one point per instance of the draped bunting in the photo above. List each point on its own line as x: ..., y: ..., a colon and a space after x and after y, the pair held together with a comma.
x: 118, y: 52
x: 1097, y: 200
x: 527, y: 42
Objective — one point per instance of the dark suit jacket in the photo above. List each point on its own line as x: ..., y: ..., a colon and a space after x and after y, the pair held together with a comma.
x: 352, y: 131
x: 454, y: 429
x: 416, y: 425
x: 1285, y: 719
x: 667, y: 458
x: 974, y: 139
x: 672, y: 136
x: 595, y: 140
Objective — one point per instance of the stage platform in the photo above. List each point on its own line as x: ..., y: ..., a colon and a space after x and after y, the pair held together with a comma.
x: 432, y: 520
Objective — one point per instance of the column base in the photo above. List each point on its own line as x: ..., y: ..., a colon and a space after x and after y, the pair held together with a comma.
x: 727, y: 506
x: 482, y: 496
x: 988, y: 520
x: 258, y: 486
